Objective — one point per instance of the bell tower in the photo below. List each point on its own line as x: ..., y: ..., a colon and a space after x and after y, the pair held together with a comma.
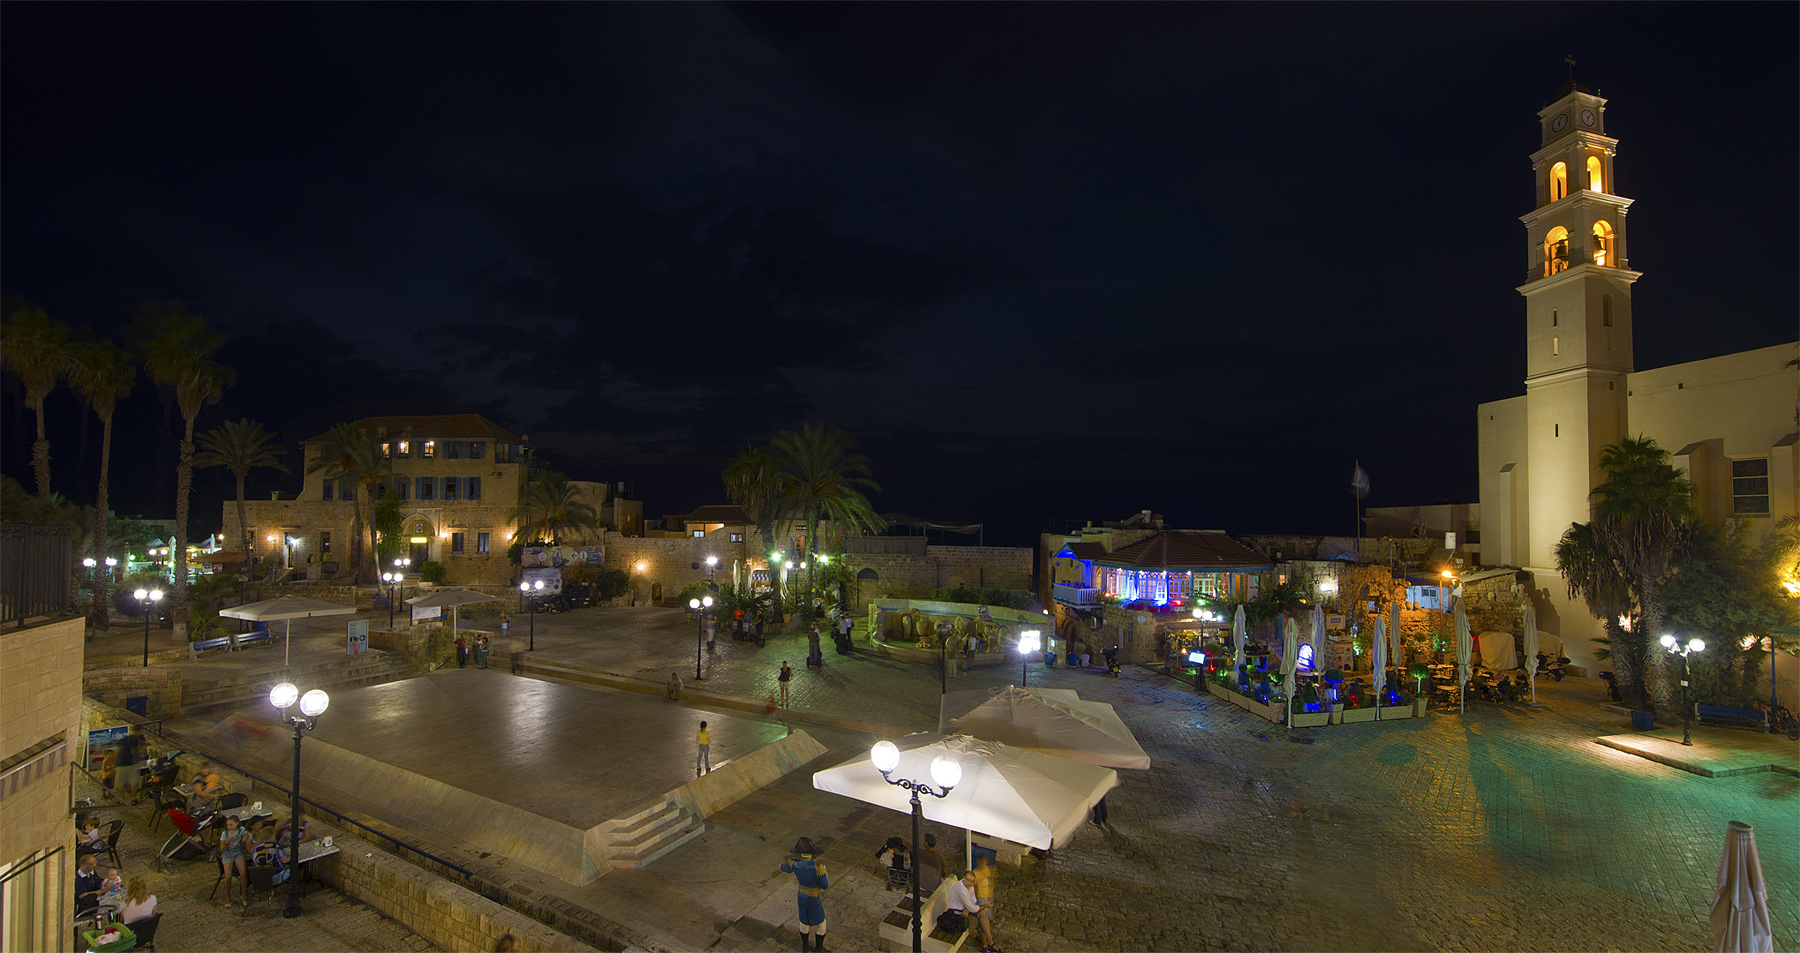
x: 1577, y: 288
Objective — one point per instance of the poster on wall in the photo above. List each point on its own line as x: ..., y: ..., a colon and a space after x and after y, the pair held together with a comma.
x: 359, y: 637
x: 102, y: 740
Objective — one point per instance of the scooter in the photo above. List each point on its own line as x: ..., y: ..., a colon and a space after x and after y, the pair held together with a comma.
x: 1551, y: 667
x: 1112, y: 661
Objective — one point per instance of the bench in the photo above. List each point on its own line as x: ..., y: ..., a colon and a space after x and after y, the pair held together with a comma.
x: 896, y: 927
x: 255, y: 637
x: 207, y: 645
x: 1719, y: 714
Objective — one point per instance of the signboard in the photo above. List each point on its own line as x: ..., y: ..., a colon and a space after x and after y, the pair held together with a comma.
x: 101, y: 740
x: 359, y: 637
x: 420, y: 613
x: 551, y: 578
x: 542, y: 557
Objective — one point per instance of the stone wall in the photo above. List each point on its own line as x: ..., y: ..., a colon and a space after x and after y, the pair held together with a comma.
x: 661, y: 567
x: 40, y: 725
x: 900, y: 576
x: 112, y: 686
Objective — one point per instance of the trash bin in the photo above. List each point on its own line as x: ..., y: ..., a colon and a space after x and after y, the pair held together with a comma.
x: 1642, y: 720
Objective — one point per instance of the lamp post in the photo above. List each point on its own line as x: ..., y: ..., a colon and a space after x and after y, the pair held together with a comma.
x: 312, y: 705
x: 1030, y: 640
x: 946, y: 772
x: 391, y: 578
x: 700, y: 607
x: 537, y: 589
x: 1676, y: 647
x: 147, y: 600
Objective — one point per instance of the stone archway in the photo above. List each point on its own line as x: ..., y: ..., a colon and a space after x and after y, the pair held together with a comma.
x: 418, y: 533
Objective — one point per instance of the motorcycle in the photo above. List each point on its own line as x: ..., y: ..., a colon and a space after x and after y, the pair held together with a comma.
x: 1112, y: 661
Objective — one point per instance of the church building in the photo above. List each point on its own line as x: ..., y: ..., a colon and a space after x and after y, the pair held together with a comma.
x: 1730, y: 422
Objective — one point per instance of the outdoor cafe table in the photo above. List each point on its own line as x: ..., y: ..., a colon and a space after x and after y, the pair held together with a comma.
x: 311, y: 851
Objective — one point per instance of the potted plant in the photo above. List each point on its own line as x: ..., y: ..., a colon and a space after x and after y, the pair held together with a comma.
x: 1393, y: 706
x: 1307, y: 710
x: 1358, y: 707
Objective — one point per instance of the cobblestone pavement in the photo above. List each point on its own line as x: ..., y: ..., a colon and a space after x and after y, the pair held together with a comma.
x: 1505, y: 828
x: 194, y: 921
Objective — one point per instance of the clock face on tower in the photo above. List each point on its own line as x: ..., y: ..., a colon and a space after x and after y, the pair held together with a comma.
x: 1560, y: 123
x: 1587, y: 117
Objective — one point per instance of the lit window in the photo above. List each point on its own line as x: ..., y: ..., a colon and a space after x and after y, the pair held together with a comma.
x: 475, y: 449
x: 1556, y: 251
x: 1559, y: 181
x: 1602, y: 243
x: 737, y: 537
x: 426, y: 449
x: 1750, y: 487
x: 405, y: 449
x: 1555, y: 346
x: 1594, y: 178
x: 699, y: 534
x: 387, y: 449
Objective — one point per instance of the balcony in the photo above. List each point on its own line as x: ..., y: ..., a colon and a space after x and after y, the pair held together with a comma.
x: 36, y: 566
x: 1077, y: 596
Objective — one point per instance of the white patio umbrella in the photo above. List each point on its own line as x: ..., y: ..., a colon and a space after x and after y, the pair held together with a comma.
x: 1022, y: 796
x: 288, y: 608
x: 1379, y: 661
x: 1465, y: 645
x: 1531, y: 647
x: 451, y: 598
x: 1086, y: 731
x: 1740, y: 910
x: 1290, y: 658
x: 1237, y: 645
x: 1318, y: 637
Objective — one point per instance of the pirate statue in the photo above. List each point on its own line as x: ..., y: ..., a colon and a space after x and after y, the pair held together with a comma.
x: 813, y: 883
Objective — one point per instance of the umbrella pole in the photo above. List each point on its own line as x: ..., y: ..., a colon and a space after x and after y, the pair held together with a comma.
x: 968, y: 848
x: 287, y: 643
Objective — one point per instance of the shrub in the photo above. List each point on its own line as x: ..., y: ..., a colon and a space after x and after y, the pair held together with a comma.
x: 431, y: 571
x: 614, y: 583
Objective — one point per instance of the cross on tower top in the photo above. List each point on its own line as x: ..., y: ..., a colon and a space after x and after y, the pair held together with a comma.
x: 1570, y: 59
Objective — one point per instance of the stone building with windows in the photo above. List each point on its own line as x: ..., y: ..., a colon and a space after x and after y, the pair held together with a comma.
x: 1728, y: 421
x: 459, y: 478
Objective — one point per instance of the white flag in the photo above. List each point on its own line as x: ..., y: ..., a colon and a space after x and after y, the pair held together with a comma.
x: 1359, y: 482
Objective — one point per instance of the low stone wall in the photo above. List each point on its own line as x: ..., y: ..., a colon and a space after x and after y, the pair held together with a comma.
x: 112, y: 686
x: 426, y: 647
x: 449, y: 915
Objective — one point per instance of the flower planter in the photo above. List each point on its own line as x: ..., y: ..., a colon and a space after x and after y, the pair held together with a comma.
x: 1219, y: 691
x: 1396, y: 712
x: 1311, y: 719
x: 1337, y: 714
x: 1355, y: 715
x: 1419, y: 702
x: 1271, y: 713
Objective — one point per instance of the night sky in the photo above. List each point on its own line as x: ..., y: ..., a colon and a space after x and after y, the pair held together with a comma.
x: 1045, y: 262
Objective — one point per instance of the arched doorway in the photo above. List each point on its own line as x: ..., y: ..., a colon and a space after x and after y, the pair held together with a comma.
x: 417, y: 531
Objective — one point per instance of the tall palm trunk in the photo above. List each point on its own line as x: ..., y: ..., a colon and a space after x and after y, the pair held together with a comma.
x: 243, y: 517
x: 102, y: 614
x: 368, y: 556
x: 184, y: 484
x: 1627, y: 662
x: 1661, y: 685
x: 40, y: 456
x: 811, y: 556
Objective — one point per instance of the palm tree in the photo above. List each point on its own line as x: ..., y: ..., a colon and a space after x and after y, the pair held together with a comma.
x: 102, y: 374
x: 36, y: 348
x: 1596, y: 578
x: 822, y: 476
x: 1642, y: 518
x: 178, y: 348
x: 552, y: 506
x: 351, y: 455
x: 753, y: 481
x: 240, y: 446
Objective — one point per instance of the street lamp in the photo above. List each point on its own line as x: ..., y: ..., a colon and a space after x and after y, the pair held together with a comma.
x: 392, y: 579
x: 1676, y: 647
x: 1030, y: 640
x: 533, y: 587
x: 147, y: 600
x: 312, y: 705
x: 946, y: 772
x: 700, y: 607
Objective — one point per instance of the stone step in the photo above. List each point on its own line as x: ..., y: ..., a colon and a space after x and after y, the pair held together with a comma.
x: 655, y: 851
x: 658, y: 828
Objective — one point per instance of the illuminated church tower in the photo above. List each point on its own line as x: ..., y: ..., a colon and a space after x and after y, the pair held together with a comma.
x: 1577, y: 319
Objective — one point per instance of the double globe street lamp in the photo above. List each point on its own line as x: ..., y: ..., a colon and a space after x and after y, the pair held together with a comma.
x: 1030, y: 642
x: 946, y: 773
x: 312, y: 705
x: 535, y: 588
x: 392, y: 579
x: 1683, y: 649
x: 147, y: 600
x: 700, y: 607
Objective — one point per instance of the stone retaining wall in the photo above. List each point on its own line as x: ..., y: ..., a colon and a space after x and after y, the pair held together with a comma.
x: 112, y: 686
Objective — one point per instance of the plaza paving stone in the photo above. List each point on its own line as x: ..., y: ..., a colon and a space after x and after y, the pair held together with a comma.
x: 1504, y: 828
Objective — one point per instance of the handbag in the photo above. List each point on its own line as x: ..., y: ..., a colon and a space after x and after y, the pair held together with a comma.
x: 952, y: 921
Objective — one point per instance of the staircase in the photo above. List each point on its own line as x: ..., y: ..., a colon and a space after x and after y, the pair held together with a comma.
x: 642, y: 838
x: 246, y: 690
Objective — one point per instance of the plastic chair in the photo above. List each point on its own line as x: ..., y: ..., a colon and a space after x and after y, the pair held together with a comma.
x: 230, y: 801
x: 112, y: 843
x: 145, y: 930
x: 260, y: 880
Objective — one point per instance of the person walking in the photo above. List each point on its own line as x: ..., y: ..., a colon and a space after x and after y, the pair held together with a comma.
x: 481, y: 650
x: 984, y: 895
x: 132, y: 752
x: 930, y: 865
x: 702, y: 751
x: 462, y: 651
x: 712, y: 632
x: 813, y: 657
x: 813, y: 881
x: 787, y: 675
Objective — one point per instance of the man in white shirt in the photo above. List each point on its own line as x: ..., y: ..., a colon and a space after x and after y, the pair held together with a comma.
x: 962, y: 895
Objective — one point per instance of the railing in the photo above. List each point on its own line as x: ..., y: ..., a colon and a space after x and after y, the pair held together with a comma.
x: 1076, y: 595
x: 36, y: 566
x: 886, y: 545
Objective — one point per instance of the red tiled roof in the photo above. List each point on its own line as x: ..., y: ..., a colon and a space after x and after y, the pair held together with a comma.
x: 1177, y: 549
x: 718, y: 514
x: 446, y: 427
x: 1086, y: 552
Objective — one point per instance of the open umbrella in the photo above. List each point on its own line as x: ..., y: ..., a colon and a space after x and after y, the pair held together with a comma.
x: 451, y: 598
x: 1531, y: 647
x: 1237, y: 645
x: 1740, y: 910
x: 1465, y: 645
x: 1006, y: 792
x: 1318, y: 637
x: 1086, y: 731
x: 1379, y: 661
x: 1290, y: 658
x: 288, y: 608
